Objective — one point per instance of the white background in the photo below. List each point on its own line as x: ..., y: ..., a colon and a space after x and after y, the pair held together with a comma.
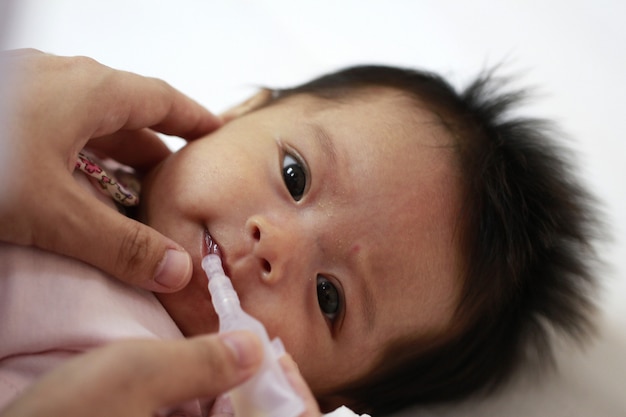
x: 571, y: 51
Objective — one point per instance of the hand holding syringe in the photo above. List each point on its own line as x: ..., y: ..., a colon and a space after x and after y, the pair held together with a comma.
x: 268, y: 393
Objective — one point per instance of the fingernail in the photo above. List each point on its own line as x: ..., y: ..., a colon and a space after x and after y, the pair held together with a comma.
x: 245, y: 347
x: 173, y: 269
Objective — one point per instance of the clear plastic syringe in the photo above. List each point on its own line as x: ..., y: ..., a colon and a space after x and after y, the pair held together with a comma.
x: 268, y: 393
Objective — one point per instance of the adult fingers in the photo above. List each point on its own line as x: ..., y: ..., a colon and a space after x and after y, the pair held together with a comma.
x: 75, y: 223
x: 201, y: 367
x: 74, y: 99
x: 141, y: 149
x: 57, y: 215
x: 137, y: 378
x: 127, y: 101
x: 125, y: 248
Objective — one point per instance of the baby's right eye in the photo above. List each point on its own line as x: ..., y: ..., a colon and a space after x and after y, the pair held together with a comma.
x: 328, y: 297
x: 294, y: 176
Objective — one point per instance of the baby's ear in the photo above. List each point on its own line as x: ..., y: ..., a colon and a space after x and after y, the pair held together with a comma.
x: 256, y: 101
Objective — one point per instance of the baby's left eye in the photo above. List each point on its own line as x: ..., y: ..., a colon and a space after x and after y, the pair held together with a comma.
x: 294, y: 176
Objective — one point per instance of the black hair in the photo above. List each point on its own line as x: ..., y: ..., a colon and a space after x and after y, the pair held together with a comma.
x: 527, y: 233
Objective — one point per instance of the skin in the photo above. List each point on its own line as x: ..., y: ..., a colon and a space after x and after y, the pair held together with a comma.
x: 377, y: 220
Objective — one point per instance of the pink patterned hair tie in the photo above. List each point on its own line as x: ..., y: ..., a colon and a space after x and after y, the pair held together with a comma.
x: 109, y: 184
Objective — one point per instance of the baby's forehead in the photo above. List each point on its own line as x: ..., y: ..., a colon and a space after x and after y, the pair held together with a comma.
x: 404, y: 111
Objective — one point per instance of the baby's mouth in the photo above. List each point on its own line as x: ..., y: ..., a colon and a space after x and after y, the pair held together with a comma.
x: 209, y: 246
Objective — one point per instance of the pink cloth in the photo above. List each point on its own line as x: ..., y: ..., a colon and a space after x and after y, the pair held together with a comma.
x: 53, y: 307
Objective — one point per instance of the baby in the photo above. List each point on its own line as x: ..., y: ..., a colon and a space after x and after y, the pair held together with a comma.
x: 407, y: 243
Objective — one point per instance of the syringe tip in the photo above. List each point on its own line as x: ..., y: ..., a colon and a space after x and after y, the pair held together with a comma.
x: 210, y: 247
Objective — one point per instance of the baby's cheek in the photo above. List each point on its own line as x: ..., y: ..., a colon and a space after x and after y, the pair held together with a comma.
x: 291, y: 333
x: 284, y: 317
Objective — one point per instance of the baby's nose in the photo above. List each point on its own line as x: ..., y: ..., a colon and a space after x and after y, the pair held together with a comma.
x: 273, y: 247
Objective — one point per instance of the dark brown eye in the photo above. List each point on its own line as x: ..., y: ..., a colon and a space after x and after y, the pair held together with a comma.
x: 328, y: 297
x: 294, y: 176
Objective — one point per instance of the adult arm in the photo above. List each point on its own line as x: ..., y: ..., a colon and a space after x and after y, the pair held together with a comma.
x: 53, y: 107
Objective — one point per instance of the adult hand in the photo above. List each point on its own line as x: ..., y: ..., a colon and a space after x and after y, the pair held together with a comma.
x: 58, y: 105
x: 137, y: 378
x: 223, y: 408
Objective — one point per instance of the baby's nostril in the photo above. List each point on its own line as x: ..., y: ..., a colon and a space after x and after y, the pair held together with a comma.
x: 257, y: 233
x: 267, y: 266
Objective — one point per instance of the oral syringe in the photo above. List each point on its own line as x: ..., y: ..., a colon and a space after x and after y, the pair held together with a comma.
x: 267, y: 393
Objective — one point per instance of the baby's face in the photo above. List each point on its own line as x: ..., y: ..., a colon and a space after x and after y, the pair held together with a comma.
x: 335, y: 221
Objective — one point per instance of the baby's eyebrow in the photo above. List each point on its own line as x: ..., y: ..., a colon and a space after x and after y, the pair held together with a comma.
x: 325, y: 140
